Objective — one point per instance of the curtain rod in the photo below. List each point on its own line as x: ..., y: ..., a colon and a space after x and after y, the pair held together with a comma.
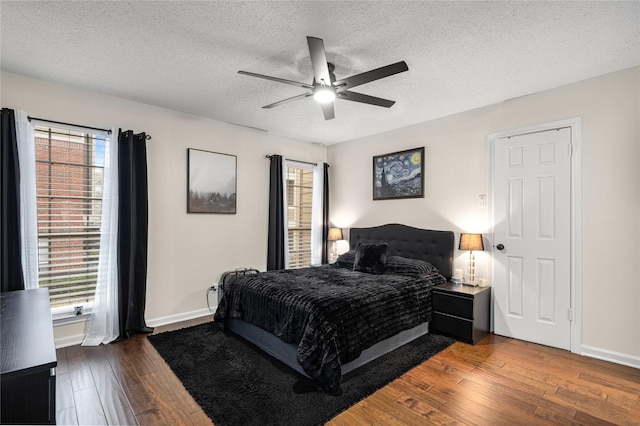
x: 297, y: 161
x: 147, y: 137
x: 68, y: 124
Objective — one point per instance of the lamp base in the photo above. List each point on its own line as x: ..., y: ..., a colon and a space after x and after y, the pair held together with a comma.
x: 472, y: 270
x: 333, y: 256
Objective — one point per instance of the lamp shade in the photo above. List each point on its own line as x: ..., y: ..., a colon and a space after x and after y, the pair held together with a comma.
x: 335, y: 234
x: 469, y: 242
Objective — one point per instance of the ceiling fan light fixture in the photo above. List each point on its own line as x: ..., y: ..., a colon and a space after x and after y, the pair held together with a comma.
x: 325, y: 88
x: 324, y: 94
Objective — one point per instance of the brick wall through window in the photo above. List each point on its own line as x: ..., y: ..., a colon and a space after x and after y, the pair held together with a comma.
x: 69, y: 185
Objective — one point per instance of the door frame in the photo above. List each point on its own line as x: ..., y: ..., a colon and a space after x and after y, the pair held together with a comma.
x: 575, y: 124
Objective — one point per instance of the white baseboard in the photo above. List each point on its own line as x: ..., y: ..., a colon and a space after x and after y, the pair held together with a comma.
x: 76, y: 339
x: 185, y: 316
x: 66, y: 341
x: 611, y: 356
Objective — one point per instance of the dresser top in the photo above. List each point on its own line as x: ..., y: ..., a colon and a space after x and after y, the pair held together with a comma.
x: 26, y: 332
x: 450, y: 287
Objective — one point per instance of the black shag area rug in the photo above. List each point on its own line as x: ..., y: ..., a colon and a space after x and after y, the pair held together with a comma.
x: 236, y: 383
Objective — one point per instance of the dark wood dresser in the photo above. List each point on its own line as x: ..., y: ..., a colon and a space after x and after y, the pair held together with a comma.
x: 462, y: 312
x: 28, y: 381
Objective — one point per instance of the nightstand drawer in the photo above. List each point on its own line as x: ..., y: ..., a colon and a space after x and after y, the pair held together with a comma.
x: 459, y: 328
x: 453, y: 305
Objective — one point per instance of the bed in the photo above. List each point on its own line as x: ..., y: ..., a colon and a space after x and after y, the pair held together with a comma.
x: 328, y: 320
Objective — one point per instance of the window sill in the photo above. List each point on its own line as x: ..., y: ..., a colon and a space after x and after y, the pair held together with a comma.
x: 63, y: 318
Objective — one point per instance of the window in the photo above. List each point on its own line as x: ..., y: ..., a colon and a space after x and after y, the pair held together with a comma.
x: 299, y: 215
x: 69, y: 182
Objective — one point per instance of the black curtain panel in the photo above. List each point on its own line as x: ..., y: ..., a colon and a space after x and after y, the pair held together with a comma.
x: 325, y: 216
x: 133, y: 216
x: 276, y: 241
x: 10, y: 253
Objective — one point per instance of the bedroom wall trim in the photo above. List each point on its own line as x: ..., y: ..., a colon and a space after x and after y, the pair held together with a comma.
x: 184, y: 316
x: 611, y: 356
x: 72, y: 340
x: 575, y: 124
x: 77, y: 338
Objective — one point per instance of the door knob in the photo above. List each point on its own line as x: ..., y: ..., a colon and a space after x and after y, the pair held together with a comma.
x: 500, y: 247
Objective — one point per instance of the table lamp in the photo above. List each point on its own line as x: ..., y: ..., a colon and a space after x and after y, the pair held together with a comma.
x: 471, y: 242
x: 335, y: 234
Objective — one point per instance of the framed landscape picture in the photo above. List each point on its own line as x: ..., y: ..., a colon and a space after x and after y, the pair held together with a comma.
x: 399, y: 175
x: 211, y: 182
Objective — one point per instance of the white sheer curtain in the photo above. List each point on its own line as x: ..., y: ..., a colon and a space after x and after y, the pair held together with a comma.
x: 103, y: 327
x: 28, y: 203
x: 316, y: 214
x: 285, y: 166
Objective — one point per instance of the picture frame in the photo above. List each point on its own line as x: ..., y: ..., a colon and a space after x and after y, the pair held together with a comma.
x: 211, y: 182
x: 399, y: 175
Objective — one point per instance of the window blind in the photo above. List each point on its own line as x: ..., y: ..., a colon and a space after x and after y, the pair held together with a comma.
x: 69, y: 183
x: 299, y: 206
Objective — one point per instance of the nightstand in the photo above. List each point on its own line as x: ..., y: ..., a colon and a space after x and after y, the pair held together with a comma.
x: 462, y: 312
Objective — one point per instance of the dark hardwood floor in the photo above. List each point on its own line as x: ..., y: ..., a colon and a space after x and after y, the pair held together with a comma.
x: 498, y: 381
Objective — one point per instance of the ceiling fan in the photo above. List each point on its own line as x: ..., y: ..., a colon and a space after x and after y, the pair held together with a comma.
x: 325, y: 88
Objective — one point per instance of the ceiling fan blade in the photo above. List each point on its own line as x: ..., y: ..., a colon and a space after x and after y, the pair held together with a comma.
x: 319, y: 60
x: 284, y: 101
x: 327, y: 110
x: 365, y: 99
x: 376, y: 74
x: 279, y: 80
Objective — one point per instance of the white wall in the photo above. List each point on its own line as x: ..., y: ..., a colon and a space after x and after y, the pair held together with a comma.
x: 187, y: 252
x: 457, y: 170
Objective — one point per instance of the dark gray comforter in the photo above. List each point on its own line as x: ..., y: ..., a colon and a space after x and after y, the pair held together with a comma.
x: 332, y: 313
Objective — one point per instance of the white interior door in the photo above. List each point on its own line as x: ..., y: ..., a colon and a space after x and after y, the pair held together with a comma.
x: 532, y: 236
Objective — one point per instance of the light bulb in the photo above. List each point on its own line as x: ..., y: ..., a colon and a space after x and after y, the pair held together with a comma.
x: 324, y: 94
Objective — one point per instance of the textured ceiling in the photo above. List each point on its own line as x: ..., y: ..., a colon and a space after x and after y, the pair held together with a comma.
x: 185, y: 55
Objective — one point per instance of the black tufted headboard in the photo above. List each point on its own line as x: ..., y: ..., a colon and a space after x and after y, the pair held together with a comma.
x: 435, y: 247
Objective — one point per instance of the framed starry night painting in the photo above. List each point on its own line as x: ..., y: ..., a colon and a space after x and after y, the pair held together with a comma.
x: 399, y: 175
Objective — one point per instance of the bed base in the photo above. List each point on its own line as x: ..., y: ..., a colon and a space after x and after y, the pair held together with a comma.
x: 436, y: 247
x: 286, y: 352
